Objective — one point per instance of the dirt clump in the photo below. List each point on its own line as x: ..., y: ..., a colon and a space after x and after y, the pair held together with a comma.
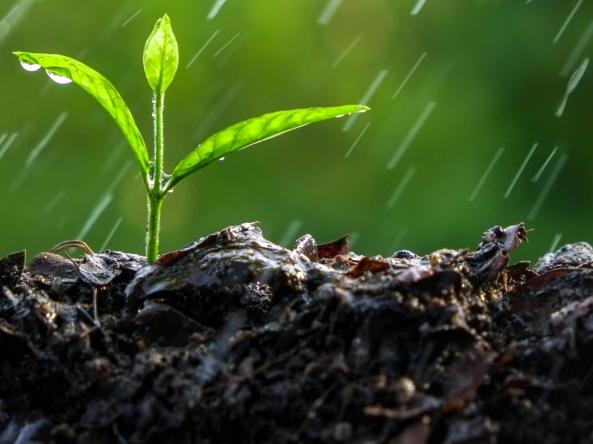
x: 236, y: 339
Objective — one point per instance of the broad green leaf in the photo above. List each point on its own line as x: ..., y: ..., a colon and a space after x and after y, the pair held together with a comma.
x: 161, y: 56
x: 61, y: 68
x: 248, y: 132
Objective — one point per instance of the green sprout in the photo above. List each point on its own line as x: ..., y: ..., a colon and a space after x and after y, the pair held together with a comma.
x: 161, y: 58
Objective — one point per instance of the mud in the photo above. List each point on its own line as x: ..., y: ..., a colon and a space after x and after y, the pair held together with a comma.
x: 236, y: 339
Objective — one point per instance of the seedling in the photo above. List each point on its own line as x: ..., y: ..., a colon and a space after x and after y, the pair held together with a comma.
x: 161, y: 58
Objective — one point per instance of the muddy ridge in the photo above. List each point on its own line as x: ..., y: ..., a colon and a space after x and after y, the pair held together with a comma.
x: 234, y: 339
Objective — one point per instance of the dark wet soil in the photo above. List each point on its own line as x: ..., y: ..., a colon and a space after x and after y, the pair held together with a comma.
x: 234, y: 339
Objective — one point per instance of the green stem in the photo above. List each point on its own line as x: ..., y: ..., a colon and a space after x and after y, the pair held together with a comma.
x: 155, y: 192
x: 153, y: 228
x: 159, y: 140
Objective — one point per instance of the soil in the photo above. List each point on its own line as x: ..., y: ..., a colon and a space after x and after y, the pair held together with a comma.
x: 235, y: 339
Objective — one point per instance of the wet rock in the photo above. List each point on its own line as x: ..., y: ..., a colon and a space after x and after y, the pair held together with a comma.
x: 207, y: 279
x: 62, y: 275
x: 575, y: 255
x: 51, y: 266
x: 53, y: 272
x: 404, y: 254
x: 11, y: 268
x: 307, y: 246
x: 103, y: 268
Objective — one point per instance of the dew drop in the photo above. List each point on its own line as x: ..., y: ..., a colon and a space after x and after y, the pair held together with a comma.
x: 30, y: 66
x: 221, y: 159
x: 58, y: 78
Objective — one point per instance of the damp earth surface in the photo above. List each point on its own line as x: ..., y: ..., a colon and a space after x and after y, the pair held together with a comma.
x: 235, y: 339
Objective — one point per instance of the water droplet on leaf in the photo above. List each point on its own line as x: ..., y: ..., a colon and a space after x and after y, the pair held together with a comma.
x: 30, y: 66
x: 58, y: 78
x: 221, y: 159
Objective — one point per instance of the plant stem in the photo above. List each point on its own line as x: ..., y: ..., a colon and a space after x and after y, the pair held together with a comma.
x: 155, y: 193
x: 153, y: 228
x: 159, y: 140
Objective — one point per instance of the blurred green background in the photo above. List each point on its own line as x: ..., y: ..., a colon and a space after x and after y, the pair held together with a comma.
x: 488, y: 74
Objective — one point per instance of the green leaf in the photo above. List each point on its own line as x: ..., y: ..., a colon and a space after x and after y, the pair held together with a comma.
x: 161, y: 56
x: 98, y: 87
x: 248, y: 132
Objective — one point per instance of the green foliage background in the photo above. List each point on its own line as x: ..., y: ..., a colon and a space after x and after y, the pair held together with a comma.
x: 491, y: 67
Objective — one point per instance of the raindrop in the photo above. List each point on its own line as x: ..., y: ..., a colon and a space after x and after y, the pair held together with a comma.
x: 367, y: 97
x: 99, y: 208
x: 346, y: 51
x: 401, y: 187
x: 31, y: 67
x: 46, y: 139
x: 547, y: 187
x: 113, y: 157
x: 53, y: 202
x: 14, y: 16
x: 364, y: 130
x: 521, y: 168
x: 578, y: 50
x: 115, y: 182
x: 58, y: 78
x: 411, y: 135
x: 409, y: 75
x: 111, y: 233
x: 226, y: 45
x: 555, y: 242
x: 132, y: 17
x: 215, y: 9
x: 204, y: 46
x: 543, y: 167
x: 221, y: 159
x: 577, y: 76
x: 486, y: 174
x: 573, y: 82
x: 7, y: 144
x: 291, y: 232
x: 218, y: 109
x: 567, y: 21
x: 418, y: 7
x: 328, y: 12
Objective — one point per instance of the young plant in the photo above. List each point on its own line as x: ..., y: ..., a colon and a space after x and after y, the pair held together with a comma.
x: 161, y: 58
